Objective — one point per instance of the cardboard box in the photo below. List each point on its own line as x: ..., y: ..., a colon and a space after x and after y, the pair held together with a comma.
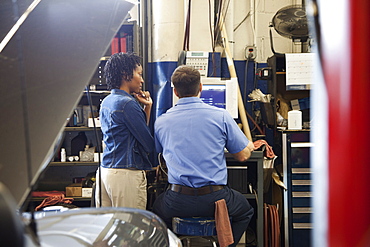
x: 74, y: 190
x: 86, y: 192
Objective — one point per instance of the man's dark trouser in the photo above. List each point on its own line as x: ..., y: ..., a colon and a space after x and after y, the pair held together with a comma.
x: 171, y: 204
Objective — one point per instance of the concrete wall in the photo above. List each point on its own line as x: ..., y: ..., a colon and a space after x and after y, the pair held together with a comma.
x: 247, y: 24
x: 265, y: 10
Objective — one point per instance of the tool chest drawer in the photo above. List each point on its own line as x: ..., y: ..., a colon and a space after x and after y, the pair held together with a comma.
x: 298, y: 196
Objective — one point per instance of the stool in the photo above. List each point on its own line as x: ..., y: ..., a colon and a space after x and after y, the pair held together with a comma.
x: 195, y: 227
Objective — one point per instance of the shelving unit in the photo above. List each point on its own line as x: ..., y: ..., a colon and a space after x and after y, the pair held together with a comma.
x: 58, y: 175
x: 82, y: 128
x: 75, y: 198
x: 73, y: 163
x: 281, y: 102
x: 277, y: 86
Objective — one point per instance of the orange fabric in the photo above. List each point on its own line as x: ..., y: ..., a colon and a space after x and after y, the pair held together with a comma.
x: 223, y: 226
x: 268, y: 152
x: 47, y: 193
x: 52, y: 200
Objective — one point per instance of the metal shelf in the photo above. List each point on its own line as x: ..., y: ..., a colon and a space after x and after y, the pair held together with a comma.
x: 98, y: 92
x: 73, y: 163
x: 74, y: 198
x: 82, y: 128
x: 250, y: 196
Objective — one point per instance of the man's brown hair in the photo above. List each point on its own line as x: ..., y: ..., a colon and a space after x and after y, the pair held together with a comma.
x: 186, y: 80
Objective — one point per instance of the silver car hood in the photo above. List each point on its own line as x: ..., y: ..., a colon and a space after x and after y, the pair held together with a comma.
x: 102, y: 227
x: 44, y: 68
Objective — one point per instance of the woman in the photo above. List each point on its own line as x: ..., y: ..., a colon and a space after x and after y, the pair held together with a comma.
x: 127, y: 138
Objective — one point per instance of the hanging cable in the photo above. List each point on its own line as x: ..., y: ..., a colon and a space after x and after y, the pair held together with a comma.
x: 245, y: 79
x: 221, y: 12
x: 210, y: 25
x: 216, y: 25
x: 213, y: 73
x: 187, y: 29
x: 245, y: 97
x: 88, y: 94
x: 255, y: 124
x: 245, y: 18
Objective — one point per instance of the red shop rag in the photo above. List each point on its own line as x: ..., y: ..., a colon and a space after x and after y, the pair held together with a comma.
x: 223, y: 226
x: 269, y: 153
x: 52, y: 200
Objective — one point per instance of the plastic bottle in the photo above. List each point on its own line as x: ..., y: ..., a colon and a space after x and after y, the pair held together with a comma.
x: 295, y: 120
x: 63, y: 155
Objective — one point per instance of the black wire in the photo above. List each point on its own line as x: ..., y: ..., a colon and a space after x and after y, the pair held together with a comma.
x: 226, y: 9
x: 88, y: 94
x: 210, y: 25
x: 254, y: 87
x: 217, y: 26
x: 222, y: 10
x: 272, y: 43
x: 245, y: 79
x: 245, y: 96
x: 187, y: 29
x: 245, y: 18
x: 212, y: 40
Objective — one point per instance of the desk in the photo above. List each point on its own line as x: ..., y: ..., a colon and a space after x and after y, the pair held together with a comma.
x: 255, y: 163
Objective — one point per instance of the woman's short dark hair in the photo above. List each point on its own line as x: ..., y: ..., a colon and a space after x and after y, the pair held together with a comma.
x: 186, y: 80
x: 120, y: 66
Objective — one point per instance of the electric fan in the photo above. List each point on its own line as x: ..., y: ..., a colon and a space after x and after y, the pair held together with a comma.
x: 290, y: 22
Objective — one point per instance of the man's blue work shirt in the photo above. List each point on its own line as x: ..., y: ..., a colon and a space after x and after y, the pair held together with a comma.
x: 194, y: 135
x: 127, y: 137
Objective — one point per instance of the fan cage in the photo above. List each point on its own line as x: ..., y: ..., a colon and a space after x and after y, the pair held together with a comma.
x: 291, y: 22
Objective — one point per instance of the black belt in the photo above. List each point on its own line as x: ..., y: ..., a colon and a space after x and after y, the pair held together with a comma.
x: 195, y: 191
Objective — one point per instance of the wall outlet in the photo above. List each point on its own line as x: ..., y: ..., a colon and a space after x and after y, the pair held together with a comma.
x: 250, y: 52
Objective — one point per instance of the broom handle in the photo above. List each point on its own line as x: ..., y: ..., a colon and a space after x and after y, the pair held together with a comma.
x: 230, y: 63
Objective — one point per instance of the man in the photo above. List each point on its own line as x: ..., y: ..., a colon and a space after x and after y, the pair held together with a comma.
x: 192, y: 137
x: 126, y: 135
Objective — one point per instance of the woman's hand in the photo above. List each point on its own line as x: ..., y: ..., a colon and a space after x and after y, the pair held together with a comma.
x: 144, y: 98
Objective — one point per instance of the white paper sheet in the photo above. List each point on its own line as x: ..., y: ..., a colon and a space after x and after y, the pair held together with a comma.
x: 299, y: 71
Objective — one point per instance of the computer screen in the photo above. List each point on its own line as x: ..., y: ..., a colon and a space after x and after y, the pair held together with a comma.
x: 214, y: 94
x: 219, y: 93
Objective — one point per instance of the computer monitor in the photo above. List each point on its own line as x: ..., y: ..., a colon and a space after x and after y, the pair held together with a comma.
x: 219, y: 93
x: 214, y: 94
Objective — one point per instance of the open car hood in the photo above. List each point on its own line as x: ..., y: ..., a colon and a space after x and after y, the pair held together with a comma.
x: 102, y: 227
x: 43, y: 71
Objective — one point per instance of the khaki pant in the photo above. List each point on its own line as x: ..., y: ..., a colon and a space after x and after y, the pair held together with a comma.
x: 121, y: 188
